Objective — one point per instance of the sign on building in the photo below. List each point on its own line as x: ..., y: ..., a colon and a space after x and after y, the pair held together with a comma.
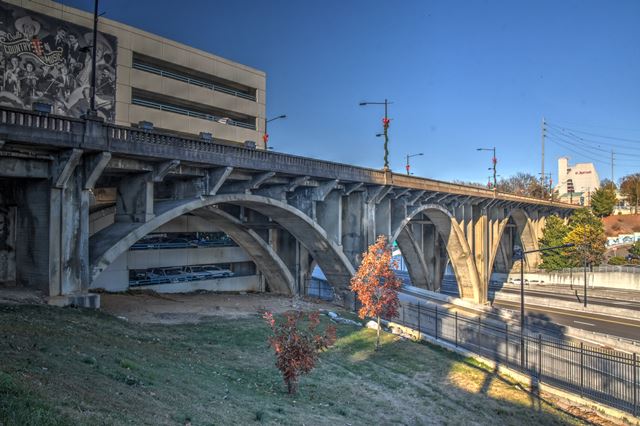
x: 47, y: 60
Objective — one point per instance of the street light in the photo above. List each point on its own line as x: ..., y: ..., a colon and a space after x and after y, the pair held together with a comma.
x: 385, y: 126
x: 408, y: 166
x: 522, y: 256
x: 494, y: 161
x: 265, y: 137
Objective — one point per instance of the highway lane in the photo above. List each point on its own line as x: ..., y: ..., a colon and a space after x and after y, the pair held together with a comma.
x: 628, y: 328
x: 551, y: 320
x: 576, y: 297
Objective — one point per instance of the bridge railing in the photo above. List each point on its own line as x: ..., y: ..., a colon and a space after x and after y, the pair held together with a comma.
x: 172, y: 146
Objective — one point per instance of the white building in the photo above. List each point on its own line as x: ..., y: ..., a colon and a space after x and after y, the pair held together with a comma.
x: 576, y: 182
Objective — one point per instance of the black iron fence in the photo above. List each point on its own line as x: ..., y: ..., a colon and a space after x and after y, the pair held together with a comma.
x: 319, y: 288
x: 603, y: 375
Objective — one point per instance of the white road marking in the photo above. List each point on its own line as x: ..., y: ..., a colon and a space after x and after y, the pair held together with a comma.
x: 585, y: 323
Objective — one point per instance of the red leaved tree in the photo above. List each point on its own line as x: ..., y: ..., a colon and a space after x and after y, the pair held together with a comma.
x: 376, y: 285
x: 297, y: 348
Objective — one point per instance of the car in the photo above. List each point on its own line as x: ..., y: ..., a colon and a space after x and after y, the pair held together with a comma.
x: 209, y: 271
x: 147, y: 243
x: 517, y: 281
x: 178, y: 243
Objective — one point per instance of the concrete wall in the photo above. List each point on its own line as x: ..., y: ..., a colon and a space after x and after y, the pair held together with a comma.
x: 132, y: 40
x: 232, y: 284
x: 143, y: 259
x: 618, y: 280
x: 8, y: 244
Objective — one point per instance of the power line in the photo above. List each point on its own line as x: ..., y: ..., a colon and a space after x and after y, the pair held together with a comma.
x: 592, y: 148
x: 600, y: 136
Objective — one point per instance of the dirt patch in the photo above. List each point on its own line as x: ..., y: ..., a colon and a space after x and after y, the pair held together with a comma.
x: 20, y: 296
x: 197, y: 307
x: 621, y: 224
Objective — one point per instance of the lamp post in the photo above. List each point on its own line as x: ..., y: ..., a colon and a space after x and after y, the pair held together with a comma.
x: 408, y: 166
x: 494, y: 161
x: 522, y: 318
x: 385, y: 126
x: 265, y: 137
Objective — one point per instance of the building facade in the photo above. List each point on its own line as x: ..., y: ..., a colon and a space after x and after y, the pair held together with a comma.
x: 141, y: 79
x: 576, y: 182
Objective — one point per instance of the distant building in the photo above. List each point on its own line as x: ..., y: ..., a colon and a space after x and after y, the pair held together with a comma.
x: 576, y: 182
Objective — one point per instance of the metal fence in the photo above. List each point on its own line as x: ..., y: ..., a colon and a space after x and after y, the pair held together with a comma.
x: 319, y: 288
x: 603, y: 375
x: 606, y: 376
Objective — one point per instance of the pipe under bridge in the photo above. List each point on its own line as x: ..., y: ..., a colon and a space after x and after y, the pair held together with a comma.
x: 287, y: 212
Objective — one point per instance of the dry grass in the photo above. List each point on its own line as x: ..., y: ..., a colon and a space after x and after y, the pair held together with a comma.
x: 68, y: 366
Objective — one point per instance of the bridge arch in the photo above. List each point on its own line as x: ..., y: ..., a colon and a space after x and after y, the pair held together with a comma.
x: 527, y: 234
x: 106, y: 245
x: 457, y: 247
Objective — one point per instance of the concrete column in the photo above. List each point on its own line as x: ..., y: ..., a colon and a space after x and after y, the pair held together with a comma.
x: 353, y: 229
x: 69, y: 233
x: 431, y: 249
x: 33, y: 234
x: 414, y: 258
x: 481, y: 248
x: 134, y: 201
x: 329, y: 216
x: 383, y: 218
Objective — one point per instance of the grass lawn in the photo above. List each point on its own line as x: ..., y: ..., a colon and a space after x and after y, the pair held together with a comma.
x: 70, y: 366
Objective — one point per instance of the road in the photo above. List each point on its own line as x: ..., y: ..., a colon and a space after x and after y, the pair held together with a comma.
x: 550, y: 320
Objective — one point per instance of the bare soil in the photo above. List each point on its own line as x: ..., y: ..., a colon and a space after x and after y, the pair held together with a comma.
x: 154, y: 308
x: 621, y: 224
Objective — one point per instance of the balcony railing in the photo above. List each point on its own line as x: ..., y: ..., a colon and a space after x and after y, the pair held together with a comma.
x: 191, y: 113
x: 194, y: 81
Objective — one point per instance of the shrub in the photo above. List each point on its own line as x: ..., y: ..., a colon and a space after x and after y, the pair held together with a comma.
x: 297, y: 349
x: 617, y: 260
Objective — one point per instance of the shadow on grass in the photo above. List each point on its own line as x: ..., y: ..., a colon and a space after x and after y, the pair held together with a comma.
x: 85, y: 367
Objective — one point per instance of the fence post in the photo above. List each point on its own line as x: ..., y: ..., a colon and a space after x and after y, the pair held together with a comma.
x: 506, y: 343
x: 539, y: 356
x: 436, y: 322
x: 635, y: 384
x: 419, y: 330
x: 581, y: 369
x: 456, y: 329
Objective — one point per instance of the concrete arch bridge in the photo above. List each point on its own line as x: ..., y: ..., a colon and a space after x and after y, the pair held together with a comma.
x: 76, y: 194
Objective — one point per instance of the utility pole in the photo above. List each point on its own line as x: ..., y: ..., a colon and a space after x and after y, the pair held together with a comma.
x: 92, y: 109
x: 542, y: 175
x: 612, y: 181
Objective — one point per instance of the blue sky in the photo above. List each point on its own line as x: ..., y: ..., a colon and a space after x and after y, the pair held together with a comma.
x: 461, y: 74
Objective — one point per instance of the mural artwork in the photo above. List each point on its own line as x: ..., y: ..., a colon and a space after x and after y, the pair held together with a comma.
x: 44, y: 59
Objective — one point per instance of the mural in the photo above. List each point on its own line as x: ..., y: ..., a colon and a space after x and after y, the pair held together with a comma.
x: 44, y: 59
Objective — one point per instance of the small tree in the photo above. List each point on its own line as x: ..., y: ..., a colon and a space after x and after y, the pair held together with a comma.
x: 586, y: 232
x: 635, y: 248
x: 297, y: 348
x: 376, y: 284
x: 553, y: 234
x: 603, y: 201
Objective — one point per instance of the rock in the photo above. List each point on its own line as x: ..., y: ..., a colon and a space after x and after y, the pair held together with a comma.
x: 333, y: 315
x: 372, y: 324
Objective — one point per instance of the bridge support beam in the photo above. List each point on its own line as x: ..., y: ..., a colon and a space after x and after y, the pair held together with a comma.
x: 134, y: 201
x: 69, y: 199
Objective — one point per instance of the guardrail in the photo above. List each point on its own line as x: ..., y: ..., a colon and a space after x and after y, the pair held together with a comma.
x: 579, y: 269
x: 189, y: 80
